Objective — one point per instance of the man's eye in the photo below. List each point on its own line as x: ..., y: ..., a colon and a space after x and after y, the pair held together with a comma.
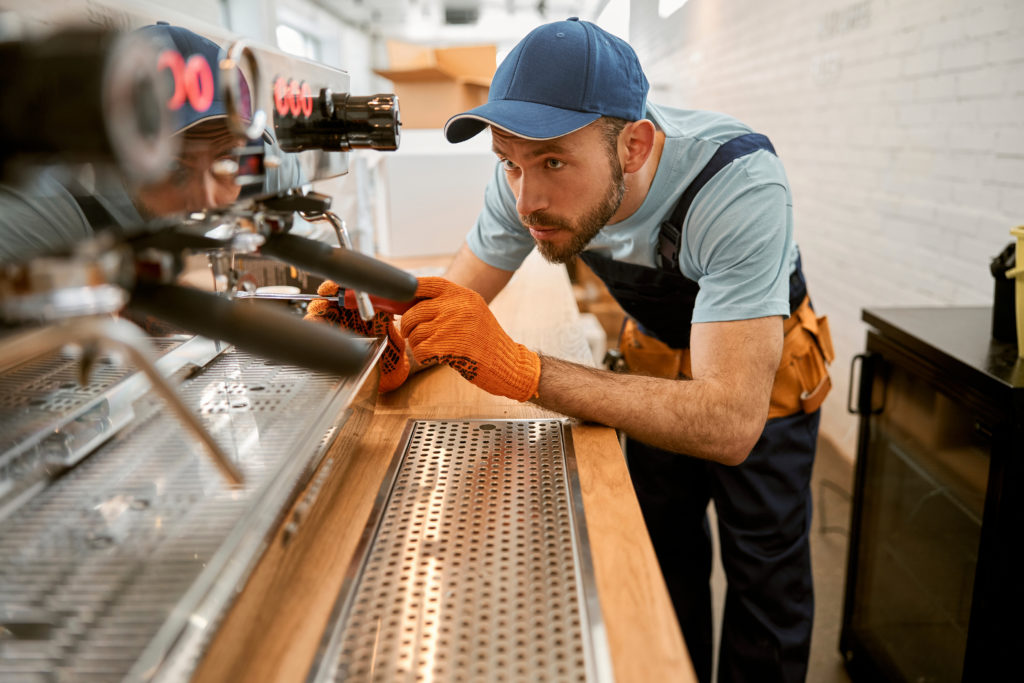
x: 554, y: 163
x: 179, y: 173
x: 508, y: 165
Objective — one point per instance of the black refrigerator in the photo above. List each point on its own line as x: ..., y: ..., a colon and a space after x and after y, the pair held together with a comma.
x: 935, y: 577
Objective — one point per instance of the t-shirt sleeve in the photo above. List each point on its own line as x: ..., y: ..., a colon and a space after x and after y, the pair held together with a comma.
x: 739, y: 238
x: 498, y: 238
x: 39, y: 218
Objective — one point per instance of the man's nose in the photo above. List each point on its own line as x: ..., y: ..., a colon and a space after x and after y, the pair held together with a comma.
x: 210, y: 190
x: 198, y: 193
x: 532, y: 196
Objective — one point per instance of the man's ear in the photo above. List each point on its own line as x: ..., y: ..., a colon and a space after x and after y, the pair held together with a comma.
x: 636, y: 142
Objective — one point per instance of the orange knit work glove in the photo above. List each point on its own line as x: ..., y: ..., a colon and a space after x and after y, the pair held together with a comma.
x: 454, y: 326
x: 394, y: 366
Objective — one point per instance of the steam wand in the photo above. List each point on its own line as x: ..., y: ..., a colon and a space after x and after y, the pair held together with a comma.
x: 363, y: 303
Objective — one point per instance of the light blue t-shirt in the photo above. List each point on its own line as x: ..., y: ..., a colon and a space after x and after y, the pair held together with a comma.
x: 737, y: 238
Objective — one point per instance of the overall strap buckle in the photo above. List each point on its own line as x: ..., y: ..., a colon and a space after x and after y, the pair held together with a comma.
x: 671, y: 236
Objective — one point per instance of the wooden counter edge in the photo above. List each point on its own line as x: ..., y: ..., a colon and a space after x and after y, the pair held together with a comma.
x: 643, y: 634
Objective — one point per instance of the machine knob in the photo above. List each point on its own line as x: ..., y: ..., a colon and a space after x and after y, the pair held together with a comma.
x: 371, y: 122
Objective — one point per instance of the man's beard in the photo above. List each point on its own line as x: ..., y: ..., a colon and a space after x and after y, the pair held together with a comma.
x: 585, y: 228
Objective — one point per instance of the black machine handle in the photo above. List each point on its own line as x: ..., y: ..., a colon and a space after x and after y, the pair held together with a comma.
x: 256, y: 327
x: 350, y: 269
x: 864, y: 382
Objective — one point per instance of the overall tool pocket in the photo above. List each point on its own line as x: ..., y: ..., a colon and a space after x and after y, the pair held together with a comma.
x: 645, y: 355
x: 802, y: 381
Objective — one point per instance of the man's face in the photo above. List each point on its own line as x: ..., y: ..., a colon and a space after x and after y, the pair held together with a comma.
x: 197, y: 181
x: 566, y: 189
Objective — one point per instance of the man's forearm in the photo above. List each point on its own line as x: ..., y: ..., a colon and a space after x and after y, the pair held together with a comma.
x: 698, y: 417
x: 719, y: 415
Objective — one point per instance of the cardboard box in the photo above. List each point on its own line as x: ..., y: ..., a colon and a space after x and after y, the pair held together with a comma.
x: 434, y: 84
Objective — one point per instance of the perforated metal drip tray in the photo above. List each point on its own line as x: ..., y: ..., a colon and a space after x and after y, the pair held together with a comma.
x: 474, y: 565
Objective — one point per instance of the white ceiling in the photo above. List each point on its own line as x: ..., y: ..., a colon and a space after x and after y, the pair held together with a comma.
x: 432, y: 19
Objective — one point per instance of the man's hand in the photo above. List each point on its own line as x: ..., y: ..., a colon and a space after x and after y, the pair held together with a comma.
x: 394, y: 366
x: 453, y: 325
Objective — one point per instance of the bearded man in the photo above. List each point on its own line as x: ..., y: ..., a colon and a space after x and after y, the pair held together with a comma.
x: 687, y: 217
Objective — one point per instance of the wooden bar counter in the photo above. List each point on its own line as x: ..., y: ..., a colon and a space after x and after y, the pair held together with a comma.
x: 275, y: 626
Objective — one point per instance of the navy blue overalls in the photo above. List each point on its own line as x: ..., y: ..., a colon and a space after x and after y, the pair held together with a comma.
x: 763, y: 505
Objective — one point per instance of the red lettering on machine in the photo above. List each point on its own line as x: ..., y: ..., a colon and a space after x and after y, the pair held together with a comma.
x: 293, y: 97
x: 193, y: 80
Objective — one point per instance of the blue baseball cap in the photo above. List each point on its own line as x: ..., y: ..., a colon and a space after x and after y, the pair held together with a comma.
x: 559, y: 78
x: 189, y: 44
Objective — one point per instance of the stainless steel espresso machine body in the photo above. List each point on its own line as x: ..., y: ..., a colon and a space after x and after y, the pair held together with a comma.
x: 153, y: 431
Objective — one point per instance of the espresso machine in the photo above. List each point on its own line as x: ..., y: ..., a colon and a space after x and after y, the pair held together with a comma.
x: 162, y: 403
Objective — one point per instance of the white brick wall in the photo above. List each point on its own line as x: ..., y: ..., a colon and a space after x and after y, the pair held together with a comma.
x: 901, y: 124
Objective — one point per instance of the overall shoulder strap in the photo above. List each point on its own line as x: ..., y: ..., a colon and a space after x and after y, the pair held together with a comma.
x: 671, y: 235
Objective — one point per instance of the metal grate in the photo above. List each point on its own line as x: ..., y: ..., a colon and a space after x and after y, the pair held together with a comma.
x: 40, y: 393
x: 478, y: 568
x: 121, y: 568
x: 49, y: 420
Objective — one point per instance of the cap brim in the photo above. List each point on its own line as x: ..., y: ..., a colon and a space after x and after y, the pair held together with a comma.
x: 524, y: 119
x: 266, y: 136
x: 196, y: 120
